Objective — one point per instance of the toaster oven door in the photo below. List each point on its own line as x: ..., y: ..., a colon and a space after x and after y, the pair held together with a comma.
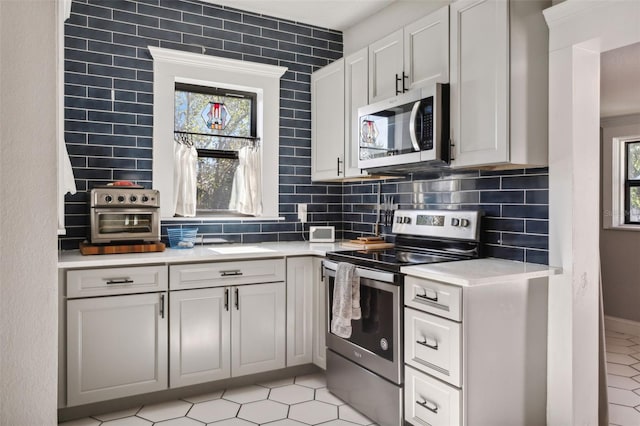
x: 123, y: 224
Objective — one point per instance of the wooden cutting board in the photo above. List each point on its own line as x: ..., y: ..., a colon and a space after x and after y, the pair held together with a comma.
x: 90, y: 249
x: 367, y: 246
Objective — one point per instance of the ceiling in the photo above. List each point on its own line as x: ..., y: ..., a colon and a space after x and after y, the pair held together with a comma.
x: 333, y: 14
x: 620, y: 81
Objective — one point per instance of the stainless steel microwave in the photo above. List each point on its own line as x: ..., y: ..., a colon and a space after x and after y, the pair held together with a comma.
x: 407, y: 131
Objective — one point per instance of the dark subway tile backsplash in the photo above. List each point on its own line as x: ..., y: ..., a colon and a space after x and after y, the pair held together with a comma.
x: 109, y: 127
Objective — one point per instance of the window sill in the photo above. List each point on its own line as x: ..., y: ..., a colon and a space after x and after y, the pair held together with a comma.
x: 622, y: 228
x: 222, y: 219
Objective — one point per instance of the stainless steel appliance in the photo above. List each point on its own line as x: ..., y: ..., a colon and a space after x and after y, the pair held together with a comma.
x: 405, y: 131
x: 366, y: 370
x: 124, y: 214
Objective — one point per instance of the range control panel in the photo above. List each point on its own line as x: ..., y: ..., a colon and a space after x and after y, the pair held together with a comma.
x: 458, y: 224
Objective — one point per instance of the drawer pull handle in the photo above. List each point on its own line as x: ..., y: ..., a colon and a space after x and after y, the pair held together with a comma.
x: 428, y: 405
x: 119, y: 281
x: 424, y: 296
x: 427, y: 345
x: 233, y: 273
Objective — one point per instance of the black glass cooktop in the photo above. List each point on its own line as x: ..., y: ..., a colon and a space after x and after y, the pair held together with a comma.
x: 389, y: 259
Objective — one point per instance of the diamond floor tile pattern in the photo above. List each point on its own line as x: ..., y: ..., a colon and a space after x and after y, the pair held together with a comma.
x: 294, y: 401
x: 623, y: 378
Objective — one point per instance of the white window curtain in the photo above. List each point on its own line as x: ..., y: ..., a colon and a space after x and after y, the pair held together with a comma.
x: 185, y: 179
x: 246, y: 192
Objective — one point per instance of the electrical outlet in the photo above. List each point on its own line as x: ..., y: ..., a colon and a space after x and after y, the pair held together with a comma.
x: 302, y: 213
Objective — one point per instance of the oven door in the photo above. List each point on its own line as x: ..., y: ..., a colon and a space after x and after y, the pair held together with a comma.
x: 124, y: 224
x: 376, y: 339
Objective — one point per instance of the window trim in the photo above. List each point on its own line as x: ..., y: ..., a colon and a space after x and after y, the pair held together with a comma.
x: 172, y: 66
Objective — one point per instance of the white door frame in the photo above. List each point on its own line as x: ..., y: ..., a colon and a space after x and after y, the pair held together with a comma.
x: 579, y: 31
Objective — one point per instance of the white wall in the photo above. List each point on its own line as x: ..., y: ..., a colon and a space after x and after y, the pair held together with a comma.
x: 389, y: 19
x: 28, y: 176
x: 618, y: 248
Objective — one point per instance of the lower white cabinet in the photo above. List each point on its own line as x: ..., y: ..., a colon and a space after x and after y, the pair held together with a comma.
x: 319, y: 316
x: 258, y: 328
x: 301, y: 278
x: 223, y: 332
x: 475, y: 353
x: 116, y: 346
x: 200, y: 330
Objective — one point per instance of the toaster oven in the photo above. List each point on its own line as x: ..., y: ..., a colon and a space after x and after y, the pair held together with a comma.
x: 124, y: 214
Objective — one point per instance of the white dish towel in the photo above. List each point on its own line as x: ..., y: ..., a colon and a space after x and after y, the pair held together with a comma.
x: 346, y: 300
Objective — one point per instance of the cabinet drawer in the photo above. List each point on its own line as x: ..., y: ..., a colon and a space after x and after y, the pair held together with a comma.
x: 428, y: 401
x: 433, y: 345
x: 431, y: 296
x: 106, y: 281
x: 200, y: 275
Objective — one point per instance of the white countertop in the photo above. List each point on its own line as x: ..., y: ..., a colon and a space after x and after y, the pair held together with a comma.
x: 469, y: 273
x: 208, y: 253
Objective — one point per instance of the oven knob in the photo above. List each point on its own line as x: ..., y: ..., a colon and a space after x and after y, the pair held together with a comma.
x: 406, y: 219
x: 455, y: 222
x: 121, y: 198
x: 133, y: 198
x: 384, y: 344
x: 108, y: 198
x: 464, y: 222
x: 145, y: 198
x: 399, y: 219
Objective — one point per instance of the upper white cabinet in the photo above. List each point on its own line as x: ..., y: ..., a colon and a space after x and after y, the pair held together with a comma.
x: 327, y: 122
x: 414, y: 56
x: 337, y: 91
x: 356, y: 95
x: 386, y: 66
x: 499, y: 84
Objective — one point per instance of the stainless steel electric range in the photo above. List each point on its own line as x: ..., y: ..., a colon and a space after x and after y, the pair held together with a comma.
x: 366, y: 369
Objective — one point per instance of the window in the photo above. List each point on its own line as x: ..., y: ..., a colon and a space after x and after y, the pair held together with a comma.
x: 632, y: 183
x: 218, y: 122
x: 171, y: 67
x: 621, y: 172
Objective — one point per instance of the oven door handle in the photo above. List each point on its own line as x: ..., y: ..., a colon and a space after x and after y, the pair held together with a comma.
x: 371, y: 274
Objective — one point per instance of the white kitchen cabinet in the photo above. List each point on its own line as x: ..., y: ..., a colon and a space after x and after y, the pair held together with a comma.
x: 116, y: 346
x: 319, y: 316
x: 200, y: 330
x: 499, y: 84
x: 411, y: 57
x: 356, y: 92
x: 258, y: 328
x: 300, y: 296
x: 491, y: 353
x: 386, y: 66
x: 227, y: 319
x: 327, y: 122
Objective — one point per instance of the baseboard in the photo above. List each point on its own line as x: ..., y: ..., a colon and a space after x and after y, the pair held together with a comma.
x: 621, y: 325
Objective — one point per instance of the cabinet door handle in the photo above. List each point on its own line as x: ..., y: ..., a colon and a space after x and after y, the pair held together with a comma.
x: 226, y: 299
x: 338, y: 161
x: 427, y: 345
x: 119, y: 281
x: 424, y: 296
x: 237, y: 299
x: 162, y: 306
x: 232, y: 273
x: 451, y: 150
x: 397, y: 80
x: 428, y: 405
x: 404, y: 77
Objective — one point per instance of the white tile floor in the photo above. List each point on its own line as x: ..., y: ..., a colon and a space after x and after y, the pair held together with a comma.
x: 623, y: 378
x: 296, y: 401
